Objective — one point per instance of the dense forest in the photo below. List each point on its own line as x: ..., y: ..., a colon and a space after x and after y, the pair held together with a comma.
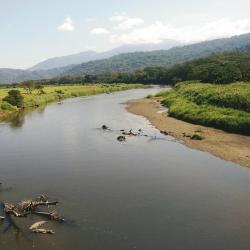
x: 217, y: 68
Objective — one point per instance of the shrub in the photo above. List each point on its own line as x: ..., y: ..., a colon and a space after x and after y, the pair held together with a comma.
x: 59, y: 91
x: 8, y: 107
x: 14, y: 98
x: 197, y: 137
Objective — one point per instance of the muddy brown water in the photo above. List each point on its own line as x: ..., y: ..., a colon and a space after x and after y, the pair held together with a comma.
x: 149, y: 193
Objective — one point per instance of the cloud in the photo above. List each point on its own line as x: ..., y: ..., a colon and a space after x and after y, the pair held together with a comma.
x: 99, y: 31
x: 118, y: 17
x: 129, y: 23
x: 67, y: 25
x: 91, y: 19
x: 157, y: 32
x: 125, y: 22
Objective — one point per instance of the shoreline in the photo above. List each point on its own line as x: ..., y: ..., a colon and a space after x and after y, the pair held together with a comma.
x: 227, y: 146
x: 34, y: 100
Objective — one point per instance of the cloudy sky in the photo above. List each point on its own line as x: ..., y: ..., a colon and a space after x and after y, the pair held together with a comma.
x: 34, y: 30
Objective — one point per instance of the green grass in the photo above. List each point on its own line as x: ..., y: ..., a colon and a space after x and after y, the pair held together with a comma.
x: 56, y: 93
x: 221, y: 106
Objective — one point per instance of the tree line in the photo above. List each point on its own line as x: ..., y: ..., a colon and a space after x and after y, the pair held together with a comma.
x: 217, y: 68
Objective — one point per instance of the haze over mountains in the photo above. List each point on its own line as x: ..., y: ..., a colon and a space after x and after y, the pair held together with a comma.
x: 90, y: 55
x: 125, y: 58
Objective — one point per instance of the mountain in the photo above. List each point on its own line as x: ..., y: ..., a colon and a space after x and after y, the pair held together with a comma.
x: 8, y: 76
x: 63, y: 61
x: 219, y: 68
x: 117, y: 60
x: 87, y: 56
x: 138, y: 60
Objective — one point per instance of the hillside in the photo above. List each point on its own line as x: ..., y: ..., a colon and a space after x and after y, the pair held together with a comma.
x: 132, y: 61
x: 219, y: 68
x: 87, y: 56
x: 63, y: 61
x: 137, y: 60
x: 8, y: 76
x: 226, y: 67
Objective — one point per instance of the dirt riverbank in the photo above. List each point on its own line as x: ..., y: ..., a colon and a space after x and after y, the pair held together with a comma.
x: 227, y: 146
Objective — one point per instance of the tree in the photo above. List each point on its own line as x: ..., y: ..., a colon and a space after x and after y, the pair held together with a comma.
x: 29, y: 86
x: 14, y: 98
x: 40, y: 89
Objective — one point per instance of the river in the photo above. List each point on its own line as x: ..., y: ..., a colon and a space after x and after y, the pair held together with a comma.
x: 148, y: 193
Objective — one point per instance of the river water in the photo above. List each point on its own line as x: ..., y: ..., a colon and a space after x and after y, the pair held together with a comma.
x: 148, y: 193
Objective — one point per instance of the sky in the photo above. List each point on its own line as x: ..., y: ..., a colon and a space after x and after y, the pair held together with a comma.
x: 34, y: 30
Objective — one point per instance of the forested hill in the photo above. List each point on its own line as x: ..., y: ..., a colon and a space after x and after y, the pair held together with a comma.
x: 137, y: 60
x: 224, y: 67
x: 227, y: 67
x: 133, y: 61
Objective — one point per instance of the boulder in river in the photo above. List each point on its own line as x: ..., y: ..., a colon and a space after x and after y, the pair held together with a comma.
x: 121, y: 138
x: 105, y: 127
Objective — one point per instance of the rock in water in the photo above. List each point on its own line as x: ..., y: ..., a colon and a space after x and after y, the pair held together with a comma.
x: 121, y: 138
x: 104, y: 127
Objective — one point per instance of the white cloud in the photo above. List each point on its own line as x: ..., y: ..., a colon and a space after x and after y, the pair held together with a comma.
x: 125, y: 22
x: 129, y: 23
x: 99, y: 31
x: 68, y: 25
x: 91, y: 20
x: 157, y: 32
x: 118, y: 17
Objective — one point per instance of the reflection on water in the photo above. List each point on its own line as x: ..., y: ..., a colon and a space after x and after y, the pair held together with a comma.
x: 146, y: 193
x: 17, y: 120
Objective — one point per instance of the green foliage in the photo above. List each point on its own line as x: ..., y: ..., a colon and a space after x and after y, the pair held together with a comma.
x: 40, y: 89
x: 59, y: 91
x: 55, y: 93
x: 219, y: 106
x: 14, y: 98
x: 7, y: 107
x: 218, y: 68
x: 29, y: 86
x: 196, y: 137
x: 51, y: 94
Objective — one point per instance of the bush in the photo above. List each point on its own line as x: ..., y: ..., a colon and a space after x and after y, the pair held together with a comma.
x: 197, y: 137
x: 59, y: 91
x: 14, y: 98
x: 8, y: 107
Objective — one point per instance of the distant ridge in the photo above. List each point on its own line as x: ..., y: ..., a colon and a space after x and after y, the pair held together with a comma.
x: 137, y: 60
x: 90, y: 55
x: 123, y: 62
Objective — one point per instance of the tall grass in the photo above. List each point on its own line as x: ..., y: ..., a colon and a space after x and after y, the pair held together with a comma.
x: 56, y: 93
x: 220, y: 106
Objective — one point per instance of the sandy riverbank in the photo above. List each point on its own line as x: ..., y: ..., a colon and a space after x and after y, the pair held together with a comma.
x: 227, y: 146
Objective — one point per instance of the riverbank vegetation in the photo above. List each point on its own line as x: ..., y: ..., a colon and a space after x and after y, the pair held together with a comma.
x: 30, y: 95
x: 224, y: 106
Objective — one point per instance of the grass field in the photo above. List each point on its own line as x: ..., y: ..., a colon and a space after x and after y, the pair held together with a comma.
x: 221, y: 106
x: 57, y: 93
